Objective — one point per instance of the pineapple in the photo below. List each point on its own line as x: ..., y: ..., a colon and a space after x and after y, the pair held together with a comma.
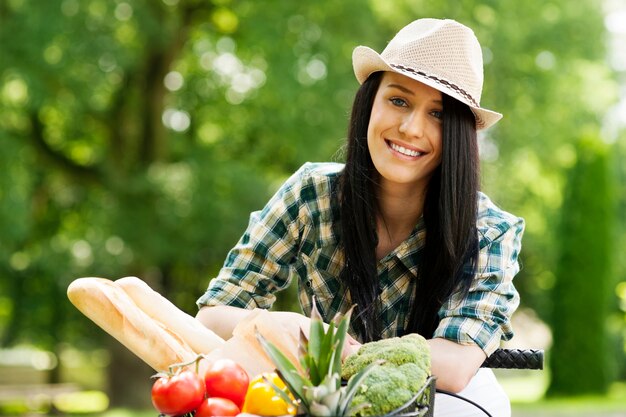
x: 317, y: 386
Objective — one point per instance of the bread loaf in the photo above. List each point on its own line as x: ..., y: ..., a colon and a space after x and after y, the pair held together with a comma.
x: 201, y: 339
x: 161, y: 335
x: 107, y: 305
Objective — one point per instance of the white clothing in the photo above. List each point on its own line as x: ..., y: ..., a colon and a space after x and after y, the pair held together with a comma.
x: 482, y: 389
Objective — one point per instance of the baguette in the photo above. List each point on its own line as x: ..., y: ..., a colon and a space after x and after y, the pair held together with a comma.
x: 160, y: 334
x: 201, y: 339
x: 107, y: 305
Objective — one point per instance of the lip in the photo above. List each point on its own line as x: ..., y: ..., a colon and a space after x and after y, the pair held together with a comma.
x: 397, y: 154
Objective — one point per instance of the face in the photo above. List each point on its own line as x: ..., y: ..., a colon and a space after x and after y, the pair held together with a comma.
x: 404, y: 133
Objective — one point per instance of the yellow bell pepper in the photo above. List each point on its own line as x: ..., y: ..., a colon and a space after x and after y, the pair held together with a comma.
x: 262, y: 399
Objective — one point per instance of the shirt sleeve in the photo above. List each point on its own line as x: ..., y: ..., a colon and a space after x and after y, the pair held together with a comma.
x: 259, y: 264
x: 482, y: 317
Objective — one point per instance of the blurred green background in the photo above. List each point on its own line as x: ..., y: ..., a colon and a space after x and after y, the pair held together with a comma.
x: 137, y: 135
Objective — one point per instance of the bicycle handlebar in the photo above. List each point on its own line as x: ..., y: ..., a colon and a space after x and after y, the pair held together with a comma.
x: 515, y: 359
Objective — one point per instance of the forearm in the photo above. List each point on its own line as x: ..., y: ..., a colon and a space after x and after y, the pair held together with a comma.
x: 222, y: 319
x: 453, y: 364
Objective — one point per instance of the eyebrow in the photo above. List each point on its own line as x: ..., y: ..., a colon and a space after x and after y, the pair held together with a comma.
x: 408, y: 91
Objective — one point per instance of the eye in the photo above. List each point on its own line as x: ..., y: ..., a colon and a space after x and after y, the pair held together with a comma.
x: 398, y: 102
x: 437, y: 113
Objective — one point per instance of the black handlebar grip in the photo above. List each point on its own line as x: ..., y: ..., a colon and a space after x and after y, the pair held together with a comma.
x: 515, y: 359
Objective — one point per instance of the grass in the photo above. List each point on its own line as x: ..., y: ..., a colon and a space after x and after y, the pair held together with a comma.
x: 614, y: 401
x: 526, y: 391
x: 526, y: 394
x: 577, y: 407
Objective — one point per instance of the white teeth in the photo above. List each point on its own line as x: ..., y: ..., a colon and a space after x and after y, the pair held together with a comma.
x: 404, y: 150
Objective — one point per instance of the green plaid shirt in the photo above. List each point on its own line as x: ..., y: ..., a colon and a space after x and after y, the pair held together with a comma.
x: 296, y: 237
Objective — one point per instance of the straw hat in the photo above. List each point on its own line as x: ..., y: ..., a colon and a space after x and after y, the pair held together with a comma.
x: 442, y: 54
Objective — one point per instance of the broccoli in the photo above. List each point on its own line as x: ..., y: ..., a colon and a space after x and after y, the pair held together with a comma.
x: 405, y: 370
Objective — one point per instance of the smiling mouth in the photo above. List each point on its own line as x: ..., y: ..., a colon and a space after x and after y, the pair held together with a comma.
x: 404, y: 151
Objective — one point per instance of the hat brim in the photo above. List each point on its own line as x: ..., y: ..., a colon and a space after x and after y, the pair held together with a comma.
x: 366, y: 61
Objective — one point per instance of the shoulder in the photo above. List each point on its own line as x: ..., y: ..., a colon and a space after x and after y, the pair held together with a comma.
x: 319, y: 171
x: 493, y: 222
x: 315, y: 177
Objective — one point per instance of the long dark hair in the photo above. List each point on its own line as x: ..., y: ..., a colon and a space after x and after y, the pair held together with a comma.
x: 449, y: 258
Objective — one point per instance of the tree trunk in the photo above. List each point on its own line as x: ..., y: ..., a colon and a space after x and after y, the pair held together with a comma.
x: 129, y: 379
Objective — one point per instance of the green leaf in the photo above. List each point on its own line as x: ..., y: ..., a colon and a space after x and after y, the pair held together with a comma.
x: 289, y: 373
x: 316, y: 333
x: 326, y: 349
x: 339, y: 318
x: 336, y: 353
x: 303, y: 349
x: 281, y: 393
x: 353, y: 384
x: 342, y: 330
x: 314, y: 372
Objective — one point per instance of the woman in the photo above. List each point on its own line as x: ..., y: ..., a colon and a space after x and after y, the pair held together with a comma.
x: 401, y: 230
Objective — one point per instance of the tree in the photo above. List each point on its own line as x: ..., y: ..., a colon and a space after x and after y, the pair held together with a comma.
x: 137, y: 135
x: 583, y: 293
x: 137, y: 143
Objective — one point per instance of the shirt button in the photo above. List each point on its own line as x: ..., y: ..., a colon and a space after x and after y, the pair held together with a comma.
x: 308, y: 284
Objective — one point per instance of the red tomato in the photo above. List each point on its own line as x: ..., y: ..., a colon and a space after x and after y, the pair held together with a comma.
x: 179, y: 394
x: 216, y: 407
x: 225, y: 378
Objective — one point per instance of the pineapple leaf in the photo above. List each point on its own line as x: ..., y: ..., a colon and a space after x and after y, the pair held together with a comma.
x: 314, y: 371
x: 289, y: 373
x: 326, y: 350
x: 335, y: 353
x: 281, y: 393
x: 316, y: 334
x: 341, y: 317
x: 315, y: 313
x: 342, y: 330
x: 353, y: 384
x: 303, y: 348
x: 317, y: 384
x: 357, y: 409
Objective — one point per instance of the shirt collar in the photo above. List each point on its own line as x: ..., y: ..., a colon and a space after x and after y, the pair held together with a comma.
x: 406, y: 252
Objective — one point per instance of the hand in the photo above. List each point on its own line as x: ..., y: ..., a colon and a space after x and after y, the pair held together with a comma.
x: 294, y: 322
x: 454, y: 364
x: 351, y: 346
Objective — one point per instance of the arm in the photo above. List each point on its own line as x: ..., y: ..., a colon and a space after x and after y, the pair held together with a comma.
x: 472, y: 325
x: 454, y: 364
x: 223, y: 320
x: 259, y: 264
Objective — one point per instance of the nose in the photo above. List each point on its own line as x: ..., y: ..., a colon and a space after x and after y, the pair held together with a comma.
x: 412, y: 125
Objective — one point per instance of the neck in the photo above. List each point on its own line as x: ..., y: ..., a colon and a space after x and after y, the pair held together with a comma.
x: 400, y: 207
